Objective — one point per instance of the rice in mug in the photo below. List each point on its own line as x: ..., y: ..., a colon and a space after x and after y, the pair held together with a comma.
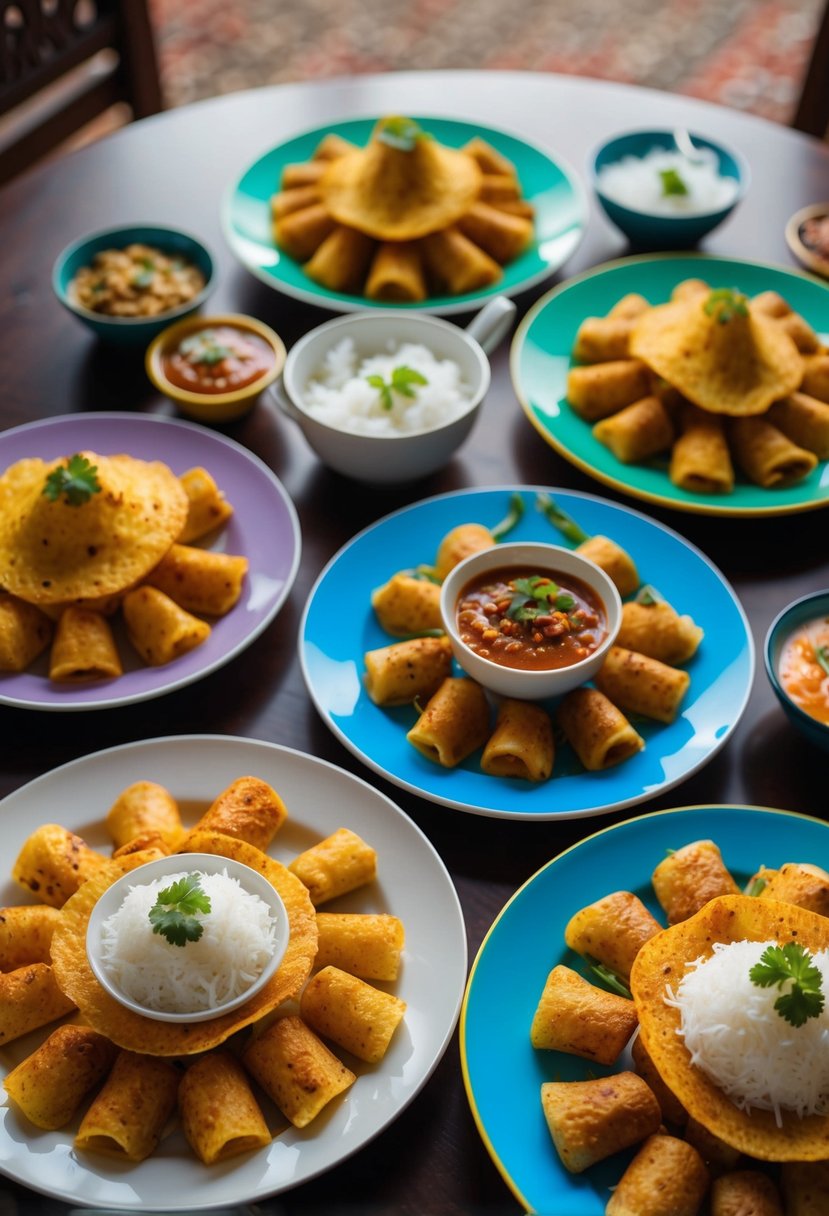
x: 342, y: 397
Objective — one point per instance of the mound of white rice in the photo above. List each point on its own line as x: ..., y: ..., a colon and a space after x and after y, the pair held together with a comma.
x: 739, y: 1040
x: 238, y: 939
x: 635, y: 181
x: 340, y: 395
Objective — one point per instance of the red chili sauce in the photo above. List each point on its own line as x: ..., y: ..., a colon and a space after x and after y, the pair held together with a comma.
x: 804, y: 668
x: 218, y: 360
x: 522, y: 618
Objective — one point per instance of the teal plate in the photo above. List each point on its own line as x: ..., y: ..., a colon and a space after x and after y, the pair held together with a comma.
x: 540, y: 360
x: 502, y: 1072
x: 546, y: 182
x: 339, y: 626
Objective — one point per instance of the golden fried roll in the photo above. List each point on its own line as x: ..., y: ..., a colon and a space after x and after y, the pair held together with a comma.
x: 29, y: 998
x: 501, y: 235
x: 333, y: 146
x: 199, y: 580
x: 53, y: 863
x: 341, y: 261
x: 745, y: 1193
x: 50, y: 1084
x: 145, y: 806
x: 672, y: 1109
x: 158, y: 628
x: 612, y: 931
x: 396, y: 273
x: 456, y: 264
x: 598, y: 732
x: 249, y: 809
x: 219, y: 1115
x: 690, y: 289
x: 406, y: 605
x: 488, y: 158
x: 396, y: 674
x: 795, y: 883
x: 700, y: 459
x: 295, y: 1069
x: 602, y: 339
x: 801, y: 333
x: 207, y: 507
x: 766, y: 456
x: 128, y: 1116
x: 365, y: 944
x: 690, y: 876
x: 305, y: 173
x: 83, y: 648
x: 601, y: 389
x: 816, y: 376
x: 667, y: 1177
x: 25, y: 632
x: 26, y: 935
x: 631, y: 305
x: 334, y: 866
x: 458, y: 543
x: 591, y: 1120
x: 616, y: 562
x: 638, y: 431
x: 353, y: 1014
x: 805, y: 1186
x: 658, y: 630
x: 804, y: 420
x: 297, y: 199
x: 522, y: 743
x: 715, y: 1152
x: 641, y: 685
x: 300, y: 233
x: 514, y: 206
x: 150, y: 845
x: 576, y: 1017
x: 454, y: 723
x: 770, y: 304
x: 499, y: 189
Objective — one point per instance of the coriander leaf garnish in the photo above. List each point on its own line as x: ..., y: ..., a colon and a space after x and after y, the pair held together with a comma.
x: 822, y: 657
x: 672, y: 182
x: 144, y: 276
x: 560, y: 519
x: 780, y: 964
x: 609, y: 978
x: 510, y: 520
x: 173, y: 914
x: 203, y: 348
x: 77, y: 479
x: 401, y: 381
x: 536, y: 596
x: 401, y: 133
x: 725, y: 304
x: 757, y: 887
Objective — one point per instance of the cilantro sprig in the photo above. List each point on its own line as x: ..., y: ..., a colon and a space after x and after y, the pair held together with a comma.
x: 77, y: 480
x: 608, y: 978
x: 204, y: 348
x: 401, y: 133
x: 672, y: 183
x: 792, y: 963
x: 174, y: 913
x: 402, y: 381
x: 725, y: 304
x: 822, y: 657
x: 537, y: 596
x: 559, y: 518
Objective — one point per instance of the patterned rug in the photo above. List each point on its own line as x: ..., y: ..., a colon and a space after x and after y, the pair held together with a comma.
x: 749, y: 54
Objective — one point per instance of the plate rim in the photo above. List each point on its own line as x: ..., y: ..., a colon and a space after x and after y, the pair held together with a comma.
x: 618, y: 483
x: 489, y: 812
x: 122, y: 417
x: 338, y: 302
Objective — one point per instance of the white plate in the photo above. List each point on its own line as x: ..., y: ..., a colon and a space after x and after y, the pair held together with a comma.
x: 320, y: 798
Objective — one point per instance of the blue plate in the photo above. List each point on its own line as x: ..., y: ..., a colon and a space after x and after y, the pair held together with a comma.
x: 503, y: 1074
x: 547, y: 182
x: 339, y: 626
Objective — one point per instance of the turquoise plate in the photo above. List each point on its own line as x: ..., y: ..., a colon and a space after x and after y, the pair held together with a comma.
x: 339, y: 626
x: 547, y: 182
x: 540, y: 360
x: 503, y: 1074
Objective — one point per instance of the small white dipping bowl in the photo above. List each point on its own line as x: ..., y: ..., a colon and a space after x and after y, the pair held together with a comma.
x: 185, y: 863
x: 379, y: 459
x: 543, y: 559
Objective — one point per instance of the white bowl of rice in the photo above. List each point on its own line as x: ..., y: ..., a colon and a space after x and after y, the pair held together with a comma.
x: 387, y: 397
x: 193, y: 958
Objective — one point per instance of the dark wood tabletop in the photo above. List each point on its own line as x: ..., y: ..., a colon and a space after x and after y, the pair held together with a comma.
x: 174, y: 169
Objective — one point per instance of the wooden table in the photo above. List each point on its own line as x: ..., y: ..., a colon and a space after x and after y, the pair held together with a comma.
x: 174, y: 169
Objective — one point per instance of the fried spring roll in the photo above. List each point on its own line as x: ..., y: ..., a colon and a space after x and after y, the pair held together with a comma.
x: 341, y: 261
x: 249, y: 809
x: 804, y: 420
x: 690, y: 289
x: 83, y: 648
x: 128, y: 1116
x: 306, y: 173
x: 300, y: 233
x: 631, y: 305
x: 686, y: 879
x: 50, y: 1084
x: 616, y: 562
x: 396, y: 273
x: 657, y: 629
x: 406, y: 605
x: 612, y: 930
x: 145, y: 806
x: 601, y: 389
x: 334, y: 866
x: 333, y: 146
x: 25, y: 632
x: 638, y: 431
x: 498, y: 189
x: 199, y: 580
x: 575, y: 1017
x: 641, y: 685
x: 591, y: 1120
x: 207, y: 507
x: 454, y: 723
x: 745, y: 1193
x: 598, y: 732
x: 816, y: 377
x: 667, y: 1177
x: 715, y: 1152
x: 365, y: 944
x: 53, y: 863
x: 700, y: 460
x: 353, y: 1014
x: 501, y: 235
x: 795, y: 883
x: 514, y: 206
x: 397, y: 674
x: 489, y: 159
x: 219, y: 1115
x: 158, y: 628
x: 522, y: 743
x: 26, y: 935
x: 602, y: 339
x: 295, y: 1069
x: 456, y: 264
x: 770, y: 304
x: 461, y: 542
x: 297, y: 199
x: 29, y: 998
x: 672, y: 1109
x: 766, y: 456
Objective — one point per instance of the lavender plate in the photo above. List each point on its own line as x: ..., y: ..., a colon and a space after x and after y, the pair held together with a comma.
x: 264, y: 528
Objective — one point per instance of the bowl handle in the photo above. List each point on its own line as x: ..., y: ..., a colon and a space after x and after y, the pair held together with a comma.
x: 492, y: 323
x: 279, y: 394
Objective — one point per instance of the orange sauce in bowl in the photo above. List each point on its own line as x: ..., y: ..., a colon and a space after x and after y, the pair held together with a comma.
x: 803, y: 678
x: 218, y: 359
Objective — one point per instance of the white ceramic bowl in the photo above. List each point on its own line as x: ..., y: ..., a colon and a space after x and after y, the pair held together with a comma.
x: 206, y: 863
x: 382, y: 459
x: 545, y: 559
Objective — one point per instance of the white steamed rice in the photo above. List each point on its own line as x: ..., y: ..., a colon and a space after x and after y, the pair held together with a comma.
x: 635, y: 182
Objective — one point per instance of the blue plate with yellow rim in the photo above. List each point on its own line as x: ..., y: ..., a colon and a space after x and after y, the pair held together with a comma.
x: 546, y: 181
x: 541, y: 358
x: 502, y: 1072
x: 339, y: 626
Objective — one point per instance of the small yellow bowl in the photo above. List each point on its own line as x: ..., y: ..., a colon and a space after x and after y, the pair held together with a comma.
x: 212, y: 407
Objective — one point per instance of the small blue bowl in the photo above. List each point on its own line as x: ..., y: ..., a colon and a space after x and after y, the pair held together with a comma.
x: 808, y: 608
x: 647, y: 230
x: 130, y: 331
